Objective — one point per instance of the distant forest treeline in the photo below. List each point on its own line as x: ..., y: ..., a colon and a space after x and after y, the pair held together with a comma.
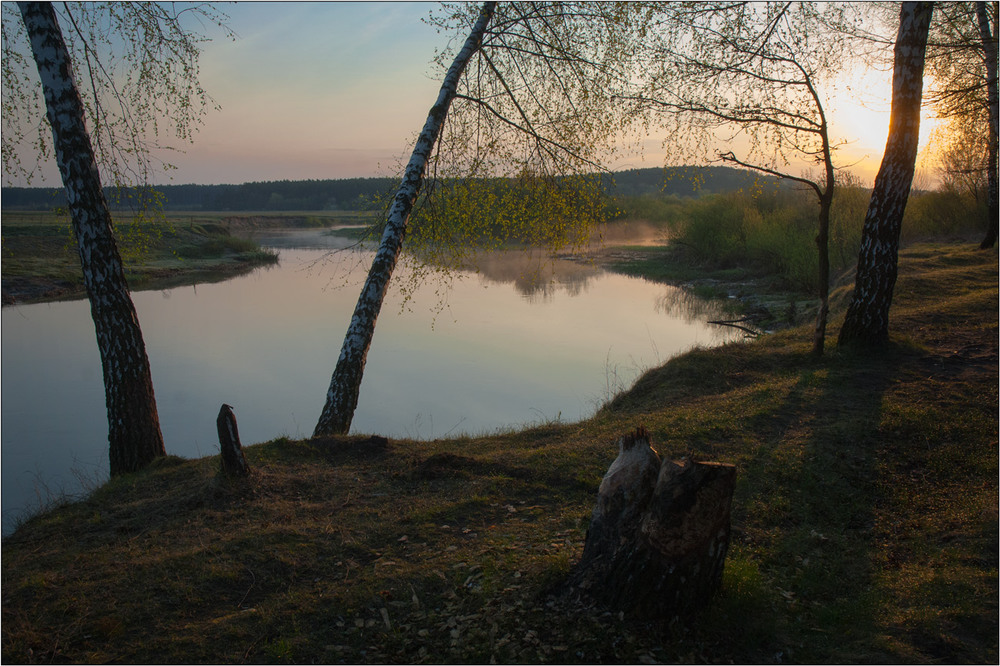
x: 365, y: 193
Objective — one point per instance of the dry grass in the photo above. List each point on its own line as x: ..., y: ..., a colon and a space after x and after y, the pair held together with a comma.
x: 41, y: 261
x: 865, y: 522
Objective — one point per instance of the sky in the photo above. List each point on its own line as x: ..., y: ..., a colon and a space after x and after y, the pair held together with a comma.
x: 314, y: 91
x: 318, y: 90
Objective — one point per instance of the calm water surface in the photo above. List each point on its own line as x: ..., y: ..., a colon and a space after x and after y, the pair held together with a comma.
x: 521, y: 341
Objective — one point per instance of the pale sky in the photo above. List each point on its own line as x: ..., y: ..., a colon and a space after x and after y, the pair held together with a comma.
x: 318, y: 90
x: 314, y: 90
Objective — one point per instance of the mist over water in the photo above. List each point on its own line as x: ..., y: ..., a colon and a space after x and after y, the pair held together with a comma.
x: 527, y: 339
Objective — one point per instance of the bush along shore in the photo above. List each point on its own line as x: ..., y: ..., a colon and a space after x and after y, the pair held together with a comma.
x: 864, y: 521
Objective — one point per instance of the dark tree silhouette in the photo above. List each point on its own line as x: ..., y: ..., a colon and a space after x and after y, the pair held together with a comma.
x: 748, y: 70
x: 989, y: 45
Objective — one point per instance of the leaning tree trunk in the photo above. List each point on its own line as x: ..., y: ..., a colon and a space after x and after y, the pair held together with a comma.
x: 990, y: 49
x: 342, y: 396
x: 867, y: 320
x: 659, y: 533
x: 133, y: 424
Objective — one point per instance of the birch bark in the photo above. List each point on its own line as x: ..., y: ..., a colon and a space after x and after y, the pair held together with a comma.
x: 133, y: 424
x: 867, y: 320
x: 345, y: 386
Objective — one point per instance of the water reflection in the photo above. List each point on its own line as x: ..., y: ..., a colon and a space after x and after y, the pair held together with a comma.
x: 534, y: 274
x: 511, y: 346
x: 684, y: 304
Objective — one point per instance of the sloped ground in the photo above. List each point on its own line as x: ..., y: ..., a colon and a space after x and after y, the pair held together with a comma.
x: 865, y: 521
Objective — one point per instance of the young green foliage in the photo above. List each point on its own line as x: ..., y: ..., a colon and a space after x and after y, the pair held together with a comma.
x: 137, y: 67
x: 754, y: 74
x: 522, y: 114
x: 533, y: 121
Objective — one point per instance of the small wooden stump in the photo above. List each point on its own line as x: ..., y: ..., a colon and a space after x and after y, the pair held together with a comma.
x: 234, y: 463
x: 659, y: 533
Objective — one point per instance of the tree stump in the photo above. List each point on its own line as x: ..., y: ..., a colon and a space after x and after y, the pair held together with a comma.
x: 234, y: 463
x: 659, y: 533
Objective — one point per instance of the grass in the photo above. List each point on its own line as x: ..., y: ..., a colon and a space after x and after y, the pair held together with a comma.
x: 864, y: 522
x: 40, y: 260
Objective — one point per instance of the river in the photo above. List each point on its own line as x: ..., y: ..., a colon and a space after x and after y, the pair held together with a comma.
x: 524, y: 340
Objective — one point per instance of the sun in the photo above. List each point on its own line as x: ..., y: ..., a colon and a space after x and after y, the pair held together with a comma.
x: 858, y: 108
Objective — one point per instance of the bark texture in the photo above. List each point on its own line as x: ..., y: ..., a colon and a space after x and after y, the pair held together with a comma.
x: 990, y: 49
x: 659, y: 533
x: 133, y: 424
x: 867, y: 320
x: 345, y: 386
x: 234, y: 463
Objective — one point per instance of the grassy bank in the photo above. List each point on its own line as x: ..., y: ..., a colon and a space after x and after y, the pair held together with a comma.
x: 864, y: 522
x: 40, y: 260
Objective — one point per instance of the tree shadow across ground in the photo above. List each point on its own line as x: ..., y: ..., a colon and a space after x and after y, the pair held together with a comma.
x: 807, y: 504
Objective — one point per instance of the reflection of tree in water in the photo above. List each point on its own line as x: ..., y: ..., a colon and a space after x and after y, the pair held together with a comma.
x: 534, y: 274
x: 683, y: 304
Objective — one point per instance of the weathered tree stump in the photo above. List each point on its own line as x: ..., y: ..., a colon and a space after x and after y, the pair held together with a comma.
x: 234, y: 463
x: 660, y: 530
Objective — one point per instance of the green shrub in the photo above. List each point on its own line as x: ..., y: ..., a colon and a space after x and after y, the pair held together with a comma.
x: 774, y: 232
x: 944, y: 212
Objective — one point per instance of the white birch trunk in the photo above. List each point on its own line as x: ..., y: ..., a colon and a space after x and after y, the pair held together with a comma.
x: 867, y: 320
x: 133, y: 424
x: 342, y: 396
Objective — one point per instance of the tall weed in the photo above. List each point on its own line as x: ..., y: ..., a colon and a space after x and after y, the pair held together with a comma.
x: 771, y: 233
x: 774, y: 232
x: 946, y: 212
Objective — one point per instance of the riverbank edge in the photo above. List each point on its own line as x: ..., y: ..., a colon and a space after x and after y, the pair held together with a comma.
x: 865, y: 521
x: 161, y: 266
x: 27, y: 290
x: 755, y: 300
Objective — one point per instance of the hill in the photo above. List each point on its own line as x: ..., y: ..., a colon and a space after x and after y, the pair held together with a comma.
x: 363, y: 193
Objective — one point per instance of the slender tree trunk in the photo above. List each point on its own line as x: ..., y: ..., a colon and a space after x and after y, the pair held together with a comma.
x: 867, y: 320
x: 823, y: 233
x: 823, y: 245
x: 342, y: 396
x: 990, y: 49
x: 133, y: 425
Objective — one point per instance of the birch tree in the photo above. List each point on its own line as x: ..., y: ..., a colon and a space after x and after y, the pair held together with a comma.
x: 136, y: 66
x: 728, y: 72
x: 530, y: 87
x: 161, y: 61
x: 342, y: 396
x: 961, y: 64
x: 867, y: 319
x: 133, y: 424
